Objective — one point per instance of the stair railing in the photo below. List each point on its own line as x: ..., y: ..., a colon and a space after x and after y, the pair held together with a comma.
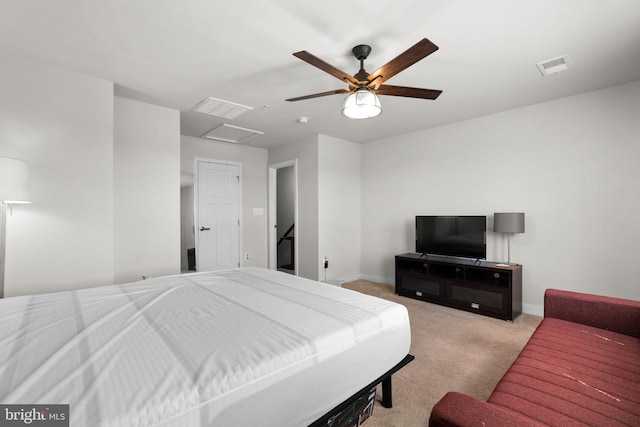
x: 290, y: 238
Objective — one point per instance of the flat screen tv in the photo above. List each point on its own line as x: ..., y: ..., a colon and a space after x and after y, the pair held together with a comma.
x: 459, y: 236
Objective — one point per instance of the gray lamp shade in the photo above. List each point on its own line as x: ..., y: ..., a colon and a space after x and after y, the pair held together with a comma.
x: 508, y: 222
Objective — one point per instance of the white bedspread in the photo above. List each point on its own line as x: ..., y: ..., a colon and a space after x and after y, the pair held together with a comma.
x: 233, y: 347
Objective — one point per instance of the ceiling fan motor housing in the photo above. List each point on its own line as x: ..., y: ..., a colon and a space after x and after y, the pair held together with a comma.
x: 361, y: 51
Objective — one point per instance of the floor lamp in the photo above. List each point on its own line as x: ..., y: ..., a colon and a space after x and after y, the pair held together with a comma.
x: 14, y: 188
x: 508, y: 222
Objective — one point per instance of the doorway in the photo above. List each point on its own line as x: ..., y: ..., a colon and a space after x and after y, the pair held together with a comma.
x: 283, y: 217
x: 217, y: 208
x: 187, y: 223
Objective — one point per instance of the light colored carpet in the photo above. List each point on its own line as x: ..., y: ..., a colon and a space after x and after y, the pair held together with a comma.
x: 454, y: 351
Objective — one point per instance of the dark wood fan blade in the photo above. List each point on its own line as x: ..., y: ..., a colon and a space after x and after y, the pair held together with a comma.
x: 409, y: 92
x: 407, y: 58
x: 325, y: 66
x: 317, y: 95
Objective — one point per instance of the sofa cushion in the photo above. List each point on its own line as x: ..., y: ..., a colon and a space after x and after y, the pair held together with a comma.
x: 572, y: 374
x: 614, y: 314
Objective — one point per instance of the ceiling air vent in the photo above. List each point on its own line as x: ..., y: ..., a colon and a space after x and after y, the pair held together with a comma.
x: 219, y: 108
x: 229, y: 133
x: 554, y: 65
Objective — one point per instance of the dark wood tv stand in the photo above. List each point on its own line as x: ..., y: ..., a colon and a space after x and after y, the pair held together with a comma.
x: 473, y: 285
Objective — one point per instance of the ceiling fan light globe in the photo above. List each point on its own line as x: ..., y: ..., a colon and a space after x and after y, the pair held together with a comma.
x: 361, y: 104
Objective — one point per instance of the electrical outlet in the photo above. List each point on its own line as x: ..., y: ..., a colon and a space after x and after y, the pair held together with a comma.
x: 326, y: 262
x: 247, y: 256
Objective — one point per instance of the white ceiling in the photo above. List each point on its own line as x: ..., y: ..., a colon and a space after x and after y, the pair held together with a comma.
x: 176, y: 53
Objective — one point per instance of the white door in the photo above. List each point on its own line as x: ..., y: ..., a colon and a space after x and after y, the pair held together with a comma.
x: 218, y: 216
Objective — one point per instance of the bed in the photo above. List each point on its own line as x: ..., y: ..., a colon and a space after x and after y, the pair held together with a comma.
x: 247, y: 346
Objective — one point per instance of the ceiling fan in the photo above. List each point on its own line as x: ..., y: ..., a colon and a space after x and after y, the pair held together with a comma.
x: 363, y: 101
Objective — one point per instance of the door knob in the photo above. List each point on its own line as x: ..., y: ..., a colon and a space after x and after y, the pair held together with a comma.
x: 204, y: 229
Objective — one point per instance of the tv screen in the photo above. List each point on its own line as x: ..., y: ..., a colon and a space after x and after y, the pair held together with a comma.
x: 461, y: 236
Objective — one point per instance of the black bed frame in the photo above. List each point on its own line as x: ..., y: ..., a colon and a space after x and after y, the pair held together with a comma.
x: 387, y: 400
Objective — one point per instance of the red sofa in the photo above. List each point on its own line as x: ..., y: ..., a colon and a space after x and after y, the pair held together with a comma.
x: 580, y: 367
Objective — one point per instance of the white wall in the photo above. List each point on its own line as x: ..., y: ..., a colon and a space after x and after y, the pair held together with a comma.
x: 61, y: 123
x: 307, y: 228
x: 147, y: 190
x: 329, y: 203
x: 571, y: 165
x: 339, y: 207
x: 254, y: 188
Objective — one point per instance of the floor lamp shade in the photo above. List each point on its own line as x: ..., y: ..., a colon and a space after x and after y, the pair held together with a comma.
x: 508, y: 222
x: 14, y: 181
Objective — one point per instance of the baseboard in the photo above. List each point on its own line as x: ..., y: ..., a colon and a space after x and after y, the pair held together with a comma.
x: 376, y: 279
x: 334, y: 282
x: 351, y: 278
x: 535, y: 310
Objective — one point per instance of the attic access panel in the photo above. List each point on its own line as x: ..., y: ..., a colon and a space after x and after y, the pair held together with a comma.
x: 230, y: 133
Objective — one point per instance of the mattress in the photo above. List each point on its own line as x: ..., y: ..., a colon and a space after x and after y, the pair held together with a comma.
x: 238, y: 347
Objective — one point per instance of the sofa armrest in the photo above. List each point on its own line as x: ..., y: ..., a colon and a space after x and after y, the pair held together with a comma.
x: 457, y: 409
x: 613, y: 314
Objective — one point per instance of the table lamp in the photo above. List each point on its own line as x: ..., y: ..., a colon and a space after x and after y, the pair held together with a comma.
x: 508, y: 222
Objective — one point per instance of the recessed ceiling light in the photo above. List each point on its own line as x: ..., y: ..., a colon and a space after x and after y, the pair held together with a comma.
x: 220, y: 108
x: 230, y: 133
x: 555, y: 65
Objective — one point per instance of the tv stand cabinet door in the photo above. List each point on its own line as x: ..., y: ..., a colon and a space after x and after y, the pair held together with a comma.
x: 420, y: 286
x: 484, y: 299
